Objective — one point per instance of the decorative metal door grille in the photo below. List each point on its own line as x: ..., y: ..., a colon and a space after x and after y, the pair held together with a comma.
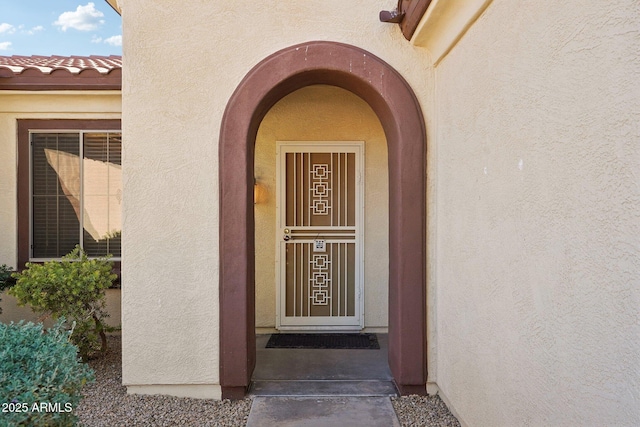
x: 320, y: 201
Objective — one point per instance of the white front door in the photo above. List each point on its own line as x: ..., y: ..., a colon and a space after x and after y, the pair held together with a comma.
x: 319, y: 214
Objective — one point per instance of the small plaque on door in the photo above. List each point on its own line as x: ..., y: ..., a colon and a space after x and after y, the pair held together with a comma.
x: 319, y: 245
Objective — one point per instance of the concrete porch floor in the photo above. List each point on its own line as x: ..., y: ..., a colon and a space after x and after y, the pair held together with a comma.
x: 322, y: 372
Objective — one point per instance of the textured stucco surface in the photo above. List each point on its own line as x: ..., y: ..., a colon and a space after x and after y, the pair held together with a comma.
x: 538, y: 216
x: 12, y: 312
x: 34, y: 105
x: 324, y: 113
x: 184, y: 59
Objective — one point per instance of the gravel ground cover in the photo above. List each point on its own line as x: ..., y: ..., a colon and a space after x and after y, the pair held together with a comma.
x: 106, y: 403
x: 427, y: 411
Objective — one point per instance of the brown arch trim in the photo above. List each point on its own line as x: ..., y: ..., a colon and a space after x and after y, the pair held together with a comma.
x: 391, y: 98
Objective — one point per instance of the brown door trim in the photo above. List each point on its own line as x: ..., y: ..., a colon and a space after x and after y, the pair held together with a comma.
x: 395, y: 104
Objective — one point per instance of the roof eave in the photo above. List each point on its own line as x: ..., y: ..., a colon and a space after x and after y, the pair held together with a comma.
x: 114, y: 4
x: 62, y: 81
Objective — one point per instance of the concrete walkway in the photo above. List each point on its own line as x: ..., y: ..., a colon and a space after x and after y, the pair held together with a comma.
x: 301, y: 387
x: 322, y: 412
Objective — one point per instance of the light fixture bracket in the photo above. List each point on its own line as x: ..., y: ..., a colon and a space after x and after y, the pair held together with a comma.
x: 391, y: 16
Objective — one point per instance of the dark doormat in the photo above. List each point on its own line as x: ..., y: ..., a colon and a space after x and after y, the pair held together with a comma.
x: 328, y: 341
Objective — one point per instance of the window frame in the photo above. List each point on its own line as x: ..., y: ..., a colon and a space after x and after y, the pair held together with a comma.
x: 25, y: 128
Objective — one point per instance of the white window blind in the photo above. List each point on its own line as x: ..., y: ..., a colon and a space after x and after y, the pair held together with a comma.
x: 76, y: 193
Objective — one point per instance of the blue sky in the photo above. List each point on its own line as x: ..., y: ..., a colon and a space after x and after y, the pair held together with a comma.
x: 59, y: 27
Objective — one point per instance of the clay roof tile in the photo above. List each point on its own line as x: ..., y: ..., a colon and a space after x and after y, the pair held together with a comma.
x: 60, y: 72
x: 73, y: 64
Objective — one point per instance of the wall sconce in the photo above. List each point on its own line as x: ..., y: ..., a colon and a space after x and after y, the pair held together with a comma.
x: 260, y: 193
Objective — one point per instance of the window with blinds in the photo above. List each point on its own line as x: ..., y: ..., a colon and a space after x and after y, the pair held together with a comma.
x: 76, y: 193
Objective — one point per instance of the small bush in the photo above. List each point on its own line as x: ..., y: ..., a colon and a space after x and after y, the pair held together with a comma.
x: 41, y: 376
x: 5, y: 276
x: 5, y: 279
x: 73, y: 288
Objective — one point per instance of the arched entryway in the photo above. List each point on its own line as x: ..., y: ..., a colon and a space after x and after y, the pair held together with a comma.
x: 393, y: 101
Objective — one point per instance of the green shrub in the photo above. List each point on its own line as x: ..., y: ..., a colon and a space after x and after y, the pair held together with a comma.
x: 42, y: 369
x: 5, y: 279
x: 73, y: 288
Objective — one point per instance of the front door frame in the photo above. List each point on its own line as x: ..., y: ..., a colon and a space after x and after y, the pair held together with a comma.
x: 395, y: 104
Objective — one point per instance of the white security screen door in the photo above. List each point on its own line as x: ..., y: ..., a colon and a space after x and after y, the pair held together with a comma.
x: 319, y: 216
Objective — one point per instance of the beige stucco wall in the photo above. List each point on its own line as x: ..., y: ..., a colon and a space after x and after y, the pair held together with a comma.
x: 16, y: 105
x: 184, y: 59
x: 12, y: 312
x: 324, y: 113
x: 38, y: 105
x: 538, y: 207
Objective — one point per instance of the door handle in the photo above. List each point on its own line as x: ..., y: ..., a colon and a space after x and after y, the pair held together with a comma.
x: 286, y: 238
